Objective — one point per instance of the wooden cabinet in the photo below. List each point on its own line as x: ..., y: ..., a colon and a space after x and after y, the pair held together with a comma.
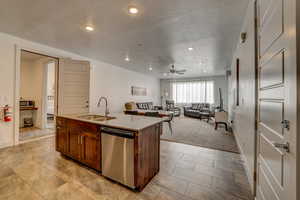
x: 147, y: 155
x: 80, y: 141
x: 61, y: 136
x: 74, y: 143
x: 91, y: 150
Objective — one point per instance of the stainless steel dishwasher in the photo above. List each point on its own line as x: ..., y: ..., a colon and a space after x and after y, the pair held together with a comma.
x: 118, y: 155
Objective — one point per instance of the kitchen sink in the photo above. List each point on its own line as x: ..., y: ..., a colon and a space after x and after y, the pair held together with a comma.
x: 96, y: 117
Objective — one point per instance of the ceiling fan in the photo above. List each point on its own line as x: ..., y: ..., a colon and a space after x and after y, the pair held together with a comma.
x: 175, y: 71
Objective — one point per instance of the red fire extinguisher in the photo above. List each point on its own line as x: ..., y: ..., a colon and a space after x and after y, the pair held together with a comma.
x: 7, y: 114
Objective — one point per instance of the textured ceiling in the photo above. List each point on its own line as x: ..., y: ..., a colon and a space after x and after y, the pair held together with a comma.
x: 159, y: 35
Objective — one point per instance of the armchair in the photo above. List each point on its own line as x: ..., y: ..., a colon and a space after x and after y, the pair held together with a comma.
x: 221, y: 117
x: 170, y: 106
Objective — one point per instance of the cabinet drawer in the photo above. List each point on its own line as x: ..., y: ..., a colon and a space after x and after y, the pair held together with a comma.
x: 61, y: 121
x: 83, y: 126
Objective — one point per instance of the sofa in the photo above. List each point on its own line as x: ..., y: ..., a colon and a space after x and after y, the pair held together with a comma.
x: 147, y: 106
x: 199, y: 110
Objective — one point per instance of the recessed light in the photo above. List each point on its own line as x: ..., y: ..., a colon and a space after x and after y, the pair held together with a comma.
x: 89, y: 28
x: 133, y: 10
x: 127, y: 59
x: 150, y: 69
x: 190, y: 48
x: 165, y: 74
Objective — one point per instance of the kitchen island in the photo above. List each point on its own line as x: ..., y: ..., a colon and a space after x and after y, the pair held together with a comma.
x: 123, y: 148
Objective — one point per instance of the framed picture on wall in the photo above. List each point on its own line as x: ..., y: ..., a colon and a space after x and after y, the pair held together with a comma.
x: 138, y: 91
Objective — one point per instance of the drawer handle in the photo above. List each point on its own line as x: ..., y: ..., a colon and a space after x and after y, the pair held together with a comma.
x: 284, y: 146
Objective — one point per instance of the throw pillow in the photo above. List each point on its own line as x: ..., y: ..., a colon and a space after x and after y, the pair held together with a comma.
x: 194, y: 106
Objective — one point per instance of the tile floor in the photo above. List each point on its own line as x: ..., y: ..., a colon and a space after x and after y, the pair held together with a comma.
x: 30, y: 133
x: 35, y: 171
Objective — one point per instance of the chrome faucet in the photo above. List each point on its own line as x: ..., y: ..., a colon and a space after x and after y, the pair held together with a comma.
x: 106, y: 108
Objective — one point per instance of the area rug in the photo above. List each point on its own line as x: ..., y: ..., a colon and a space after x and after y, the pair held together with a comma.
x: 199, y: 133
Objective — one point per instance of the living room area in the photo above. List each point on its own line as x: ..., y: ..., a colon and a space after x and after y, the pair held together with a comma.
x: 195, y: 110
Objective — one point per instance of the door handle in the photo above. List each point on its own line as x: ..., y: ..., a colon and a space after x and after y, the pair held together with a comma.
x: 285, y: 124
x: 284, y: 146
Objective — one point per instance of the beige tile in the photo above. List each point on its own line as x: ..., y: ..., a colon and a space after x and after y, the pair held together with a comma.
x: 6, y: 171
x: 36, y: 171
x: 219, y: 173
x: 232, y: 188
x: 198, y: 192
x: 193, y: 177
x: 187, y: 165
x: 26, y: 194
x: 166, y: 194
x: 32, y: 171
x: 69, y: 191
x: 171, y: 183
x: 46, y: 185
x: 198, y: 160
x: 232, y: 165
x: 11, y: 185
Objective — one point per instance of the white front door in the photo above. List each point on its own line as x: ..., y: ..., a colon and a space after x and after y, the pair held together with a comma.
x: 276, y: 153
x: 73, y: 87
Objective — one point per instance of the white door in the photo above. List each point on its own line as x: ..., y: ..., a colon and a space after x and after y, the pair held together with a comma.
x: 276, y: 153
x: 73, y: 87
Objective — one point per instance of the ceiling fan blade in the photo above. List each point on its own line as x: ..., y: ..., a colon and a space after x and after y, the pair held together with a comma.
x: 181, y: 71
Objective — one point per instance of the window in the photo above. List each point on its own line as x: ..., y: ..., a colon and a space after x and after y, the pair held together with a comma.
x: 193, y: 92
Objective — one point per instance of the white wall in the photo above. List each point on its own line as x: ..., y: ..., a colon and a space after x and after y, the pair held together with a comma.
x: 219, y: 82
x: 115, y: 83
x: 107, y: 83
x: 244, y: 114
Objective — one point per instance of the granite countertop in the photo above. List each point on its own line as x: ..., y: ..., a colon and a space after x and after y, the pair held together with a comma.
x: 122, y: 121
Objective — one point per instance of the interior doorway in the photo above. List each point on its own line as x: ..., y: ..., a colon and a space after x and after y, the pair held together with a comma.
x: 49, y: 97
x: 37, y: 96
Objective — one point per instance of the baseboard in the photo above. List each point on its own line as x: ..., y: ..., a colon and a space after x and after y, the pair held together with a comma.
x: 4, y: 145
x: 246, y: 165
x: 36, y: 139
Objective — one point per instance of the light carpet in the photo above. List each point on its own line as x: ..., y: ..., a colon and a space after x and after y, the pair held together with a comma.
x: 200, y: 133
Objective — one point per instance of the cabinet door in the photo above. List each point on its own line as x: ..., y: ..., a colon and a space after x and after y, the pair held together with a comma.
x: 91, y: 150
x: 62, y: 139
x: 74, y: 141
x: 61, y: 136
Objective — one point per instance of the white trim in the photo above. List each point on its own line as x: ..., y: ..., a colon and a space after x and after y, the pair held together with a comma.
x: 16, y: 128
x: 36, y: 139
x: 7, y: 144
x: 246, y: 165
x: 44, y: 96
